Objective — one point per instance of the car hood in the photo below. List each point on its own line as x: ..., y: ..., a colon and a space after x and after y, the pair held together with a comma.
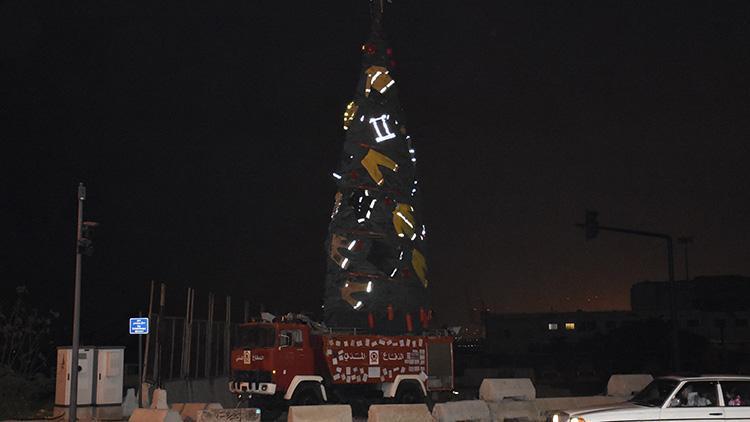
x: 617, y: 411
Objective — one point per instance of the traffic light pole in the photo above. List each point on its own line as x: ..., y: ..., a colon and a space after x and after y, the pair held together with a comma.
x: 72, y: 412
x: 672, y: 290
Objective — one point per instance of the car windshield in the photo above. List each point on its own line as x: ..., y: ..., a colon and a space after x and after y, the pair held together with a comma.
x: 256, y: 336
x: 656, y: 393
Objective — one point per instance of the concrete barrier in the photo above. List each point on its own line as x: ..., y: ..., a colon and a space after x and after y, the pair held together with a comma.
x: 248, y: 414
x: 324, y: 413
x: 626, y: 385
x: 189, y: 411
x: 159, y: 400
x: 208, y: 390
x: 154, y: 415
x: 510, y: 399
x: 513, y: 409
x: 497, y: 389
x: 399, y: 413
x: 130, y: 403
x: 467, y: 410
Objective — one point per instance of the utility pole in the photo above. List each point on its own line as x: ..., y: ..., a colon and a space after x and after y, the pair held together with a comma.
x: 592, y: 228
x: 72, y: 413
x: 140, y: 362
x: 685, y: 240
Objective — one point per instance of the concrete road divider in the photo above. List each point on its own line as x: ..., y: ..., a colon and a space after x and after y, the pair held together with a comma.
x: 159, y: 400
x: 466, y: 410
x: 229, y: 415
x: 130, y: 403
x: 189, y: 411
x: 497, y: 389
x: 213, y: 390
x: 154, y: 415
x: 625, y: 385
x: 513, y: 410
x: 399, y: 413
x: 324, y: 413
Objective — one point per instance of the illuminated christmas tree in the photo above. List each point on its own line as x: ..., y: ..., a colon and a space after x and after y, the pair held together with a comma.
x: 377, y: 274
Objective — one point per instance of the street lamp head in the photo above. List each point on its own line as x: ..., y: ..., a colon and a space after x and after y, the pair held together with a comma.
x: 81, y: 192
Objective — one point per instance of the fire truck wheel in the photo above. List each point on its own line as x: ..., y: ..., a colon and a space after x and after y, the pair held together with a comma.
x: 409, y: 393
x: 307, y: 394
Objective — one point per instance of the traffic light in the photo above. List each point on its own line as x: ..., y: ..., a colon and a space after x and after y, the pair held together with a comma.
x: 591, y: 225
x: 85, y: 242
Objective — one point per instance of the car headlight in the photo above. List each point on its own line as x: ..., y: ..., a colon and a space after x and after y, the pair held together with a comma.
x: 559, y: 417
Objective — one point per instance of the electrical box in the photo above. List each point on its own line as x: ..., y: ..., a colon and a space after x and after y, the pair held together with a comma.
x: 100, y: 376
x: 109, y: 375
x: 85, y: 376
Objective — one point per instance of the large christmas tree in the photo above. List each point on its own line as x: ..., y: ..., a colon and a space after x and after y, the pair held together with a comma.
x: 377, y: 274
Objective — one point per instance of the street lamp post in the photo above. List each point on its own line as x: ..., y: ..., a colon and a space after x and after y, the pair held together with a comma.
x: 592, y: 228
x: 72, y: 413
x: 685, y: 240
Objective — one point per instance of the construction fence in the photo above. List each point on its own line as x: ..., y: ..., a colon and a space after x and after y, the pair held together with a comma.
x: 179, y: 347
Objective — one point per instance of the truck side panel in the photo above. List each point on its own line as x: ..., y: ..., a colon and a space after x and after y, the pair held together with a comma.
x: 373, y: 359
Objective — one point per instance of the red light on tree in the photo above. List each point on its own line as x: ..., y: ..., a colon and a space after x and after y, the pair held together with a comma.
x: 369, y: 48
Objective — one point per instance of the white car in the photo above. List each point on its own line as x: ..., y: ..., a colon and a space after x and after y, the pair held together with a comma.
x: 675, y: 399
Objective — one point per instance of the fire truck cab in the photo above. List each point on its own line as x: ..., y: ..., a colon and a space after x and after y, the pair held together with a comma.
x: 271, y: 358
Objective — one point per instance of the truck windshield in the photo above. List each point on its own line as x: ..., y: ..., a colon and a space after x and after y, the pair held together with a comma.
x: 656, y: 393
x: 256, y: 336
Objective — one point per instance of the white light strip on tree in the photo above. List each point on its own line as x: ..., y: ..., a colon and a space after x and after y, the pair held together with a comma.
x: 385, y: 88
x: 406, y: 220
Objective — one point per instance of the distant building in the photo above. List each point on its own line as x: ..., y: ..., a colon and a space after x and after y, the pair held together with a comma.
x: 709, y: 294
x: 517, y: 333
x: 715, y: 308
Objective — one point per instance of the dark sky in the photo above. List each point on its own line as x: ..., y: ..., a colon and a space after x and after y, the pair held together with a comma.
x: 206, y: 133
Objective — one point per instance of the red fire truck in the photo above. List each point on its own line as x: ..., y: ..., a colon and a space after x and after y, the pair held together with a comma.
x: 293, y: 362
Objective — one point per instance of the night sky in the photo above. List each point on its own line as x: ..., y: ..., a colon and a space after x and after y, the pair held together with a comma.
x: 207, y: 132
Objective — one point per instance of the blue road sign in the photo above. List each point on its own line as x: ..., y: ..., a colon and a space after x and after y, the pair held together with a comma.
x: 138, y: 325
